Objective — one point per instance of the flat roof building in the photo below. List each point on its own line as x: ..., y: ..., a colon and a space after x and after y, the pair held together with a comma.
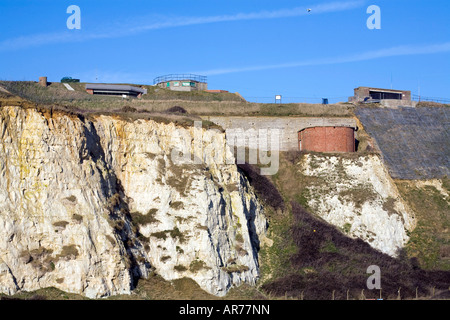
x: 115, y: 90
x: 368, y: 94
x: 182, y: 82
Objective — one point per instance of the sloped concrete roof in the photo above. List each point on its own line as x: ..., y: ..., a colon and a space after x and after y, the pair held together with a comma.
x: 414, y: 142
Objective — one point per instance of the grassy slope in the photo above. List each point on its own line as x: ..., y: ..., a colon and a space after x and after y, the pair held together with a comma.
x: 311, y: 259
x: 430, y: 240
x: 159, y: 99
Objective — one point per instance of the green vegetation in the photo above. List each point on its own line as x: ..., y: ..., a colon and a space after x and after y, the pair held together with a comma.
x: 235, y: 268
x: 180, y: 268
x: 61, y: 224
x: 164, y: 258
x: 177, y: 205
x: 312, y: 259
x: 71, y: 198
x: 143, y: 219
x: 77, y: 217
x: 430, y: 240
x: 197, y: 265
x: 174, y: 233
x: 68, y: 252
x: 154, y: 104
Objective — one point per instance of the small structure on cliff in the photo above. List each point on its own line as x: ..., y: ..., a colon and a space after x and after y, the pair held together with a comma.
x: 327, y: 139
x: 366, y: 94
x: 115, y: 90
x: 182, y: 82
x: 43, y: 81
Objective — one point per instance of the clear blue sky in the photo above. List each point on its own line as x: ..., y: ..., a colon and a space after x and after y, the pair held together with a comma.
x: 258, y: 48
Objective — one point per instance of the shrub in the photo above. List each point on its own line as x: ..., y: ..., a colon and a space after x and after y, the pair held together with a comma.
x: 180, y: 268
x: 177, y: 205
x: 197, y: 265
x: 263, y: 186
x: 143, y: 219
x: 340, y: 264
x: 128, y: 109
x: 176, y: 109
x: 77, y: 217
x: 61, y: 224
x: 235, y: 268
x: 68, y: 252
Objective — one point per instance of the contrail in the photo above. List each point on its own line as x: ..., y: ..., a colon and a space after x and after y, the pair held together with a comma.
x: 172, y: 22
x: 364, y: 56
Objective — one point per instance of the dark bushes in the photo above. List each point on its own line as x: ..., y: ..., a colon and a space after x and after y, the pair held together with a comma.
x: 263, y: 186
x: 176, y: 109
x: 328, y: 263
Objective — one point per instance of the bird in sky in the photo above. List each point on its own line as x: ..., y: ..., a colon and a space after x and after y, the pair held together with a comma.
x: 309, y: 10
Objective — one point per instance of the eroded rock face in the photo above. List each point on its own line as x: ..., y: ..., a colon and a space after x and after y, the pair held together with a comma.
x: 91, y: 206
x: 359, y: 196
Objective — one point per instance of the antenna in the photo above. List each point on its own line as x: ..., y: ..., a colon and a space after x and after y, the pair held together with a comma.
x: 418, y: 89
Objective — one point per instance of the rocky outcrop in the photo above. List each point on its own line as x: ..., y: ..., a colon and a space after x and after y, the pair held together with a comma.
x: 357, y: 195
x: 91, y: 206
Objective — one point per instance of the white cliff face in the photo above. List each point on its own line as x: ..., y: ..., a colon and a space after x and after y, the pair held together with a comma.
x: 359, y: 196
x: 90, y: 206
x: 205, y: 218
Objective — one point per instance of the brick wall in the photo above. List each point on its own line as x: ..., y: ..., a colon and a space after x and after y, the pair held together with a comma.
x: 327, y: 139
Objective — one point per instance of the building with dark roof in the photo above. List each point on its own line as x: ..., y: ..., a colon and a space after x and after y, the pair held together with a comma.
x: 115, y: 90
x: 364, y: 94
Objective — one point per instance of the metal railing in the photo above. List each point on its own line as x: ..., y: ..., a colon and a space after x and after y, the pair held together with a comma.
x: 180, y: 76
x: 286, y: 99
x: 416, y: 97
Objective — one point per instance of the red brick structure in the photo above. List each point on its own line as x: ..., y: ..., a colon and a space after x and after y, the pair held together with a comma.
x: 327, y: 139
x: 43, y: 81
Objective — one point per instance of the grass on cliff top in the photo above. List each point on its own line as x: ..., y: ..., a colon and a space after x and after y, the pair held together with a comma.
x: 160, y: 99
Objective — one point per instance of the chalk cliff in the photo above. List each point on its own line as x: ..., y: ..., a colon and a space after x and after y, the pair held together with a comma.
x: 358, y: 195
x: 90, y: 206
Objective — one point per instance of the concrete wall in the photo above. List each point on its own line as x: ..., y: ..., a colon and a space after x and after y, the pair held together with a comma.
x: 289, y: 127
x: 391, y: 103
x: 414, y: 142
x: 327, y: 139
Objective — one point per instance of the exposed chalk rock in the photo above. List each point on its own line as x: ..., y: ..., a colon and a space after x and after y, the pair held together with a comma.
x: 358, y: 195
x: 90, y: 206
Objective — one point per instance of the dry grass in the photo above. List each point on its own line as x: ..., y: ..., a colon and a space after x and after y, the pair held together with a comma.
x: 158, y: 100
x: 312, y: 259
x: 430, y: 240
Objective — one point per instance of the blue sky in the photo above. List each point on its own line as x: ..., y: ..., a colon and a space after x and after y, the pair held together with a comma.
x: 258, y: 48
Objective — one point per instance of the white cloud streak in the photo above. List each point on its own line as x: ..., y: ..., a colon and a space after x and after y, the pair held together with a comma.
x: 364, y: 56
x: 172, y: 22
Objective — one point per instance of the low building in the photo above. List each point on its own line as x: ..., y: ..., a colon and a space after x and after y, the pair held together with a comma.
x: 368, y: 94
x: 115, y: 90
x: 182, y: 82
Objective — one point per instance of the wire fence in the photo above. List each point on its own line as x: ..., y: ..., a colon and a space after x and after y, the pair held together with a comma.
x: 283, y: 99
x: 416, y: 97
